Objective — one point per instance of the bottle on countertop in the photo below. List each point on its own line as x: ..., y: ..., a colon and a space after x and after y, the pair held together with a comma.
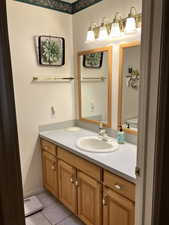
x: 120, y: 136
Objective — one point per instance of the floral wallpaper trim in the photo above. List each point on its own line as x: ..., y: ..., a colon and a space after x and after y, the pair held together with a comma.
x: 51, y: 4
x: 83, y: 4
x: 62, y: 6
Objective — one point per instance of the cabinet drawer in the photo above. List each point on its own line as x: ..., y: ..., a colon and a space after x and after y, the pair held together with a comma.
x: 48, y: 147
x: 81, y: 164
x: 119, y: 185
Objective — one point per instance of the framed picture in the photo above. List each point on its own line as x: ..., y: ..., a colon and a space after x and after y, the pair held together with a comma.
x: 51, y: 50
x: 93, y: 60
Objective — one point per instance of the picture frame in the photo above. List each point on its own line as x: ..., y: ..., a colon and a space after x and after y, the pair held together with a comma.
x: 93, y: 60
x: 51, y: 50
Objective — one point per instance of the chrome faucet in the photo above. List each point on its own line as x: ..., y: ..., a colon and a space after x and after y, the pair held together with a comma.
x: 102, y: 132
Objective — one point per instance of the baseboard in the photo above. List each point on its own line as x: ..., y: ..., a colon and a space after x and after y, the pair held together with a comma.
x: 38, y: 191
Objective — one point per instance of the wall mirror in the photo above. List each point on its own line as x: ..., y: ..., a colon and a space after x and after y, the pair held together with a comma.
x: 129, y: 76
x: 94, y: 79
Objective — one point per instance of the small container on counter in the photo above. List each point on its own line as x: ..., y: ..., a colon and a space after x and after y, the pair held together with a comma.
x: 120, y: 136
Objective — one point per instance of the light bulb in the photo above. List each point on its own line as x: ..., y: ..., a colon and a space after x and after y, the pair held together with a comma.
x: 103, y: 35
x: 115, y: 30
x: 90, y: 35
x: 130, y: 25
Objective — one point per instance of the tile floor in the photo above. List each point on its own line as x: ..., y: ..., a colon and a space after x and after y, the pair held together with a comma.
x: 54, y: 213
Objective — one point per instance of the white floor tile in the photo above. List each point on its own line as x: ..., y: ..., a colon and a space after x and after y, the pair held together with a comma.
x: 46, y: 199
x: 56, y: 213
x: 71, y: 221
x: 37, y: 219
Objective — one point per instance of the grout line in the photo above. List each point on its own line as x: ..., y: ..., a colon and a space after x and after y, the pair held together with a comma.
x: 59, y: 221
x: 47, y: 219
x: 63, y: 220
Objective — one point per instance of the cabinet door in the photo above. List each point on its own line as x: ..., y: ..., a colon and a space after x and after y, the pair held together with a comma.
x: 50, y: 173
x: 117, y: 209
x: 89, y: 199
x: 67, y: 189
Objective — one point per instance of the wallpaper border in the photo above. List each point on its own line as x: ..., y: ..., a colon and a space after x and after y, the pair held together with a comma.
x: 83, y: 4
x: 62, y: 6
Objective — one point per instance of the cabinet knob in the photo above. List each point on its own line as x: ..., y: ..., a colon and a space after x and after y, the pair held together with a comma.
x: 76, y: 183
x: 71, y: 180
x: 117, y: 186
x: 53, y: 168
x: 46, y: 148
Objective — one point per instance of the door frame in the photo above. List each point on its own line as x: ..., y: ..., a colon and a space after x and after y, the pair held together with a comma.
x: 11, y: 193
x: 161, y: 177
x: 152, y: 184
x: 152, y: 108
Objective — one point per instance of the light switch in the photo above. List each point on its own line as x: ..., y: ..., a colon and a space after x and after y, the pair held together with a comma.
x: 53, y: 110
x: 92, y: 107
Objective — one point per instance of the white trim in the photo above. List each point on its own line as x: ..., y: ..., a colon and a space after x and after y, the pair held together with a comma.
x: 31, y: 193
x: 151, y: 41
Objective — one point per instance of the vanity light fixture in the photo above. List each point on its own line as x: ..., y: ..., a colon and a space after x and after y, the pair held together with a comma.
x: 131, y: 26
x: 90, y: 34
x: 121, y: 27
x: 115, y: 28
x: 103, y: 34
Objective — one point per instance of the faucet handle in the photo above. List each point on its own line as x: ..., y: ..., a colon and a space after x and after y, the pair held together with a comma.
x: 100, y: 125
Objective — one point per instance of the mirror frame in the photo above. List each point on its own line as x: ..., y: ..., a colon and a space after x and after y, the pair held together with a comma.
x: 120, y: 92
x: 109, y: 100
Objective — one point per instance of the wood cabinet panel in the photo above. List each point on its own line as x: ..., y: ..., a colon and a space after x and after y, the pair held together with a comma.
x: 48, y: 147
x: 89, y: 200
x: 81, y: 164
x: 117, y: 210
x: 119, y: 185
x: 50, y: 173
x: 78, y: 185
x: 67, y: 189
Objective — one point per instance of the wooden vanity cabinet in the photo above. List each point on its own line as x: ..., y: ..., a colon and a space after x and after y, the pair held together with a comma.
x: 80, y: 193
x: 119, y: 185
x: 48, y: 147
x: 96, y: 196
x: 118, y: 200
x: 50, y: 173
x: 81, y: 164
x: 89, y: 199
x: 117, y: 209
x: 67, y: 188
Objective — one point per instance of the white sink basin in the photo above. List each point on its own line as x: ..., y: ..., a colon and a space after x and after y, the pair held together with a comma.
x: 95, y: 144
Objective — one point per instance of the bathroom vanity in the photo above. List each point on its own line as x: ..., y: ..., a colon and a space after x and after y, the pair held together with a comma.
x: 95, y: 180
x: 99, y: 188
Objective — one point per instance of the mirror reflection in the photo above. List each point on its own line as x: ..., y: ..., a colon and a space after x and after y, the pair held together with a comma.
x: 94, y: 73
x: 129, y: 86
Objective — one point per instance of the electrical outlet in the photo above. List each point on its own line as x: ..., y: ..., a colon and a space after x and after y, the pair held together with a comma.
x: 53, y: 111
x: 92, y: 107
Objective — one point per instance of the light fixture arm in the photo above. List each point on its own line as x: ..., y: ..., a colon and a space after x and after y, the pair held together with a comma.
x: 117, y: 18
x: 103, y: 21
x: 133, y: 12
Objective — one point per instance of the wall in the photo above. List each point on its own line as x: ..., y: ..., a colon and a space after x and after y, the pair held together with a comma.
x: 94, y: 93
x: 81, y: 22
x: 33, y: 101
x: 130, y: 96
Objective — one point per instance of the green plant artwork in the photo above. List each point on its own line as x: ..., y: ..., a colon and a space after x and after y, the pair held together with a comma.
x: 51, y: 51
x: 93, y: 60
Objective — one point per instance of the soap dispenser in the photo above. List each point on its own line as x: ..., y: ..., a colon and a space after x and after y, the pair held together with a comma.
x: 120, y: 136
